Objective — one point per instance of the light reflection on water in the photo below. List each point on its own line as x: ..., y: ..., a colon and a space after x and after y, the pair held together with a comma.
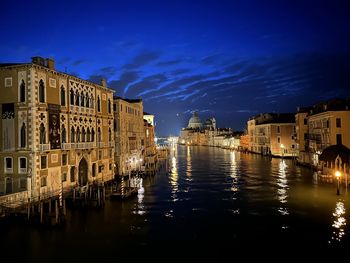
x: 207, y: 197
x: 339, y: 222
x: 282, y: 190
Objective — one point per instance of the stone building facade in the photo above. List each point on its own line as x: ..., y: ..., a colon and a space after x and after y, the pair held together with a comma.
x: 56, y: 129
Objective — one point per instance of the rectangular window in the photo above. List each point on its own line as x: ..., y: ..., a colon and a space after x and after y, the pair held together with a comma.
x: 339, y: 139
x: 99, y: 155
x: 43, y: 181
x: 338, y: 123
x: 64, y: 159
x: 100, y: 168
x: 278, y: 129
x: 293, y: 146
x: 22, y: 165
x: 64, y: 177
x: 8, y: 82
x: 8, y: 165
x: 278, y: 139
x: 43, y: 162
x: 110, y: 167
x: 114, y: 107
x: 23, y: 183
x: 305, y: 121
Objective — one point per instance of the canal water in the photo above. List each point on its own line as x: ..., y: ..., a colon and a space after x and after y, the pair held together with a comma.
x: 205, y: 203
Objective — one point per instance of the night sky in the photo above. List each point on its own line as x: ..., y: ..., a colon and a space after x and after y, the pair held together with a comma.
x: 227, y: 59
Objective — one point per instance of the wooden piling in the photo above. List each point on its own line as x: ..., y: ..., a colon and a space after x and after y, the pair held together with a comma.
x: 56, y: 211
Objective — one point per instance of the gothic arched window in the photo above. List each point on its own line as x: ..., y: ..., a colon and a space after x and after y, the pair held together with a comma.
x: 23, y: 135
x: 22, y: 92
x: 41, y: 91
x: 63, y: 96
x: 42, y: 134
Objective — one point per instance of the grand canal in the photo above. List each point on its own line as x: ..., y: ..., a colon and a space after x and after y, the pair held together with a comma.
x: 204, y: 203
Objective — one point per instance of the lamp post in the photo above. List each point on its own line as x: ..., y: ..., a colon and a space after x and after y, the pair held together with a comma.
x: 337, y: 175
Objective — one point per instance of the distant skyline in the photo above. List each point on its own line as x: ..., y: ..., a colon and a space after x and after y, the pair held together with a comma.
x: 227, y: 59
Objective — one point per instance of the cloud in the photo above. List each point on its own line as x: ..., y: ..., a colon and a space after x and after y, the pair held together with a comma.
x: 211, y: 59
x: 97, y: 78
x: 78, y: 62
x: 126, y: 78
x: 169, y: 62
x: 142, y: 59
x: 146, y: 84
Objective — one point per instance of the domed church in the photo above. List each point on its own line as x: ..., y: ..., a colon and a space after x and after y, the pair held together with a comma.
x: 195, y: 122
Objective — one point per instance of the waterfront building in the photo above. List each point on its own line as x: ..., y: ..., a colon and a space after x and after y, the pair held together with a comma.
x: 150, y: 154
x: 129, y: 135
x: 321, y: 126
x: 56, y: 129
x: 273, y: 134
x: 244, y: 142
x: 197, y: 134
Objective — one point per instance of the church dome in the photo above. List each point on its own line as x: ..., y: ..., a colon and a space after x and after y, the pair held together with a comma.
x: 195, y: 122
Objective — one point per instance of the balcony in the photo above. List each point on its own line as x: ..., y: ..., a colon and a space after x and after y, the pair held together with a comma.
x: 81, y: 145
x: 100, y: 144
x: 44, y: 147
x: 66, y: 146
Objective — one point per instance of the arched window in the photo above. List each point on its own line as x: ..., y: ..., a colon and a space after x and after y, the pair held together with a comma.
x: 92, y: 100
x: 82, y: 99
x: 109, y: 106
x: 72, y: 174
x: 98, y: 104
x: 98, y: 134
x: 23, y: 135
x: 109, y: 135
x: 87, y: 101
x: 92, y: 135
x: 71, y: 97
x: 42, y: 134
x: 83, y: 134
x: 22, y: 92
x: 63, y: 96
x: 64, y: 134
x: 77, y: 98
x: 72, y: 135
x: 41, y: 91
x: 88, y: 135
x: 78, y: 134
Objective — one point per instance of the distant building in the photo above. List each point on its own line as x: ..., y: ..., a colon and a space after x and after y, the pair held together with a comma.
x: 196, y: 134
x: 195, y: 122
x: 56, y: 129
x: 273, y: 134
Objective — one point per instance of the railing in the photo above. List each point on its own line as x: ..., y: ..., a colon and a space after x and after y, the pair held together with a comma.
x: 44, y: 147
x: 66, y: 146
x: 100, y: 144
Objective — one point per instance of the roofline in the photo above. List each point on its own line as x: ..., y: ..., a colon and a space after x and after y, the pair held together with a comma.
x: 18, y: 65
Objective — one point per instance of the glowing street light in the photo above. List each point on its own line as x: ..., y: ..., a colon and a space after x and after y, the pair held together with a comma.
x: 337, y: 175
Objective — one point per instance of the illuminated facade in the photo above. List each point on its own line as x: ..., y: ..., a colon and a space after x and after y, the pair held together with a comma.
x: 273, y: 134
x: 321, y: 126
x: 150, y: 154
x: 129, y: 135
x: 56, y: 129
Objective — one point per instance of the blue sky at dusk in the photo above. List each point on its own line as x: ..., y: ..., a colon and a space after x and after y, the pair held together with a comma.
x: 227, y: 59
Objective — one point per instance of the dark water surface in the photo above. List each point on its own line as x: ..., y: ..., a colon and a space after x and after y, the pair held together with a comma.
x: 212, y: 203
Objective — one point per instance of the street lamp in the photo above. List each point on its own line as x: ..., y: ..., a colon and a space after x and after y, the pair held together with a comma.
x: 337, y: 175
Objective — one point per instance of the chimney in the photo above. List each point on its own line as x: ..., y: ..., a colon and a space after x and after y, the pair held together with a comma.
x: 104, y: 83
x: 50, y: 63
x: 39, y: 61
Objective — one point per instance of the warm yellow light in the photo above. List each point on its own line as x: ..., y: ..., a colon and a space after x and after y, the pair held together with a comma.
x: 337, y: 174
x: 282, y: 146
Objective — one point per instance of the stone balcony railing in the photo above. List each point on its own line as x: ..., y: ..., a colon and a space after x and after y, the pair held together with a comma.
x: 78, y: 146
x: 44, y: 147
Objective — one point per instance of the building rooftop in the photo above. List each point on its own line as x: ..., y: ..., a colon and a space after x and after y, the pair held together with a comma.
x: 127, y: 100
